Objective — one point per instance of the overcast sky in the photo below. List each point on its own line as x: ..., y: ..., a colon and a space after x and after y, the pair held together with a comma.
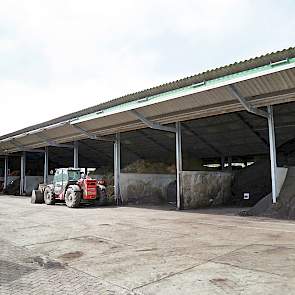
x: 59, y: 56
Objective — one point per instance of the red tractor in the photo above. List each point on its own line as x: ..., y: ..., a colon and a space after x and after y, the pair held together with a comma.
x: 69, y: 187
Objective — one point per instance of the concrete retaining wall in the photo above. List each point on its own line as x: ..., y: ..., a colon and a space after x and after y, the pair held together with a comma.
x: 145, y: 188
x: 200, y: 188
x: 205, y: 188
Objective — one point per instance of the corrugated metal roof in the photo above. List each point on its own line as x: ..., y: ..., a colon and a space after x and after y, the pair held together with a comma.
x: 208, y: 75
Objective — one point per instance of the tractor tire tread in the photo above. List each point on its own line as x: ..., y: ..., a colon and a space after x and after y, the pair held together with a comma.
x: 75, y: 200
x: 48, y: 201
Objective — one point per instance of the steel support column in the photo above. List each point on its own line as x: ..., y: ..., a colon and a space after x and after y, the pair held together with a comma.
x: 46, y: 165
x: 271, y: 133
x: 5, y: 172
x: 76, y: 154
x: 117, y: 168
x: 179, y: 202
x: 22, y: 187
x: 177, y: 131
x: 273, y: 154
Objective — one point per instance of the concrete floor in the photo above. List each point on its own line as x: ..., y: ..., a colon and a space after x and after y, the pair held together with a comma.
x: 158, y: 251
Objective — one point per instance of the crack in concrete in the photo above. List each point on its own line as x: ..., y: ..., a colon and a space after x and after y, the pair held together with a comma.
x: 159, y: 230
x: 246, y: 268
x: 189, y: 268
x: 53, y: 241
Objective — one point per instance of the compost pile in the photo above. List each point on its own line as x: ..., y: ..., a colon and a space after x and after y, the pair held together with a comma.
x: 285, y: 206
x: 142, y: 166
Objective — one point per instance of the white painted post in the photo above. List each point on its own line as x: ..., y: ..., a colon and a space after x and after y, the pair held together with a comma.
x: 273, y: 154
x: 117, y: 168
x: 46, y: 165
x: 5, y: 172
x: 22, y: 188
x: 179, y: 204
x: 76, y: 154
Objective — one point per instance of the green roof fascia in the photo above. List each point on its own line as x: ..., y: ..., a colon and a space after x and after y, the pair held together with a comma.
x: 192, y: 89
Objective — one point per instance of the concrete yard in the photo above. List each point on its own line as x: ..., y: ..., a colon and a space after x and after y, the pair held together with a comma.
x: 132, y: 250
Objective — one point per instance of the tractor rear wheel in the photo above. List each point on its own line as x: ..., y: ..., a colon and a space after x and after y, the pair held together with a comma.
x: 49, y: 197
x: 72, y: 198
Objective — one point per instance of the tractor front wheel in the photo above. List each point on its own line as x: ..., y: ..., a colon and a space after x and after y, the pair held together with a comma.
x: 49, y: 197
x: 72, y: 198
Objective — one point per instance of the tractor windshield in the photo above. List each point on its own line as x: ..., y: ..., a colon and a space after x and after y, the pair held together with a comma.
x: 74, y: 175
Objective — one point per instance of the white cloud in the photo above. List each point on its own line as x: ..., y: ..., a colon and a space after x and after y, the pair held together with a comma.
x: 59, y: 56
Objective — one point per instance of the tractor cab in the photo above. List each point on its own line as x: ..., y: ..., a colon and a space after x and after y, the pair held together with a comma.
x: 64, y: 177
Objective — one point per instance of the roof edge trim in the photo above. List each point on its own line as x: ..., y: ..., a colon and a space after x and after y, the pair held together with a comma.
x: 192, y: 89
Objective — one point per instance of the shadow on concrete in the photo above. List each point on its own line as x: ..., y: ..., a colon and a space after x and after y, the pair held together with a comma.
x: 222, y: 210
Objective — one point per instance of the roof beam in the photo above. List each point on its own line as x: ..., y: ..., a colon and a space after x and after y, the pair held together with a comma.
x: 246, y: 104
x: 96, y: 151
x: 151, y: 124
x: 250, y: 127
x: 276, y: 127
x: 89, y: 159
x: 290, y: 142
x: 17, y: 144
x: 89, y: 134
x: 51, y: 142
x: 126, y: 147
x: 22, y: 148
x: 60, y: 159
x: 200, y: 138
x: 150, y: 138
